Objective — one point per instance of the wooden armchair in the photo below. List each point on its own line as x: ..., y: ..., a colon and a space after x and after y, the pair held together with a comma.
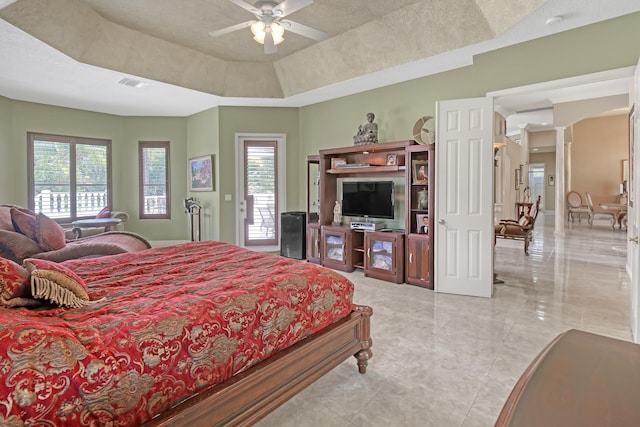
x: 520, y: 229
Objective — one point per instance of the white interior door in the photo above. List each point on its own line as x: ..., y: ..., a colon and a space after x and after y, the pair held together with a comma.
x: 633, y: 220
x: 464, y: 197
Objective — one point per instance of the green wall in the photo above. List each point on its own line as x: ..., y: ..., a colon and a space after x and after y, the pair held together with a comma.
x: 599, y: 47
x: 256, y: 120
x: 203, y: 139
x: 124, y: 132
x: 607, y: 45
x: 6, y: 169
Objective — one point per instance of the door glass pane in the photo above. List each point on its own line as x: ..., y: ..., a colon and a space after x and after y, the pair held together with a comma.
x: 261, y: 175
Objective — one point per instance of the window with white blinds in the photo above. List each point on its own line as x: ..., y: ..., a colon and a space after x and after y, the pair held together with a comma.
x: 69, y: 177
x: 155, y: 194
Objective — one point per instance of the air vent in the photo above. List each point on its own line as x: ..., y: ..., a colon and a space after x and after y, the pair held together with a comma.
x: 132, y: 82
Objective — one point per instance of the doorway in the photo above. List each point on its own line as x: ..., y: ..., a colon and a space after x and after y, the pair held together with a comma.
x: 536, y: 182
x: 260, y: 189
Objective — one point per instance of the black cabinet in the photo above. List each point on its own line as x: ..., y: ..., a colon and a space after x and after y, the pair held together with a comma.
x: 293, y: 235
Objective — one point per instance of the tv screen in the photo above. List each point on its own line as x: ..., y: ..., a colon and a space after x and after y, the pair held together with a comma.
x: 373, y: 199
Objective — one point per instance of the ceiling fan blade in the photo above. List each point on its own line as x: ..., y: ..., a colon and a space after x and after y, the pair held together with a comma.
x: 303, y: 30
x: 269, y: 45
x: 243, y: 4
x: 231, y: 29
x: 289, y: 6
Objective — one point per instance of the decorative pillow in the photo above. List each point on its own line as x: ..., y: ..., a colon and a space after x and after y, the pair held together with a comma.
x: 104, y: 213
x: 24, y: 222
x: 5, y: 218
x: 49, y: 234
x: 56, y: 283
x: 14, y: 285
x: 19, y: 245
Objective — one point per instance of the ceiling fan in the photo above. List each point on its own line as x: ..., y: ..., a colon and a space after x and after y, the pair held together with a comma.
x: 269, y: 25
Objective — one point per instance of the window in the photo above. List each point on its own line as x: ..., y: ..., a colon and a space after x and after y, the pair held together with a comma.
x: 155, y: 195
x: 69, y: 177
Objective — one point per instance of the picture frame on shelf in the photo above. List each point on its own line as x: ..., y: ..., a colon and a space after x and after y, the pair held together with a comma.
x: 201, y: 173
x: 420, y: 170
x: 337, y: 162
x: 422, y: 223
x: 392, y: 159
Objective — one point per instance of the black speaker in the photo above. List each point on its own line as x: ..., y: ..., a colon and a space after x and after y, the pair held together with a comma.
x: 293, y: 235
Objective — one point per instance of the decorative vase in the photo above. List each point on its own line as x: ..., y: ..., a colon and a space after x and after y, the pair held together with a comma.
x: 423, y: 199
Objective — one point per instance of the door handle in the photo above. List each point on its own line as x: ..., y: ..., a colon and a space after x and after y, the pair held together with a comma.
x: 411, y: 258
x: 441, y: 222
x: 634, y: 239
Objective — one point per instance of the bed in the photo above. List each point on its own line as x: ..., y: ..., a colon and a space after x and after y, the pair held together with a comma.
x: 203, y: 333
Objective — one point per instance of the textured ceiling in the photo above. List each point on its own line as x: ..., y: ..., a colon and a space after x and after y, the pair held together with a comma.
x: 168, y: 41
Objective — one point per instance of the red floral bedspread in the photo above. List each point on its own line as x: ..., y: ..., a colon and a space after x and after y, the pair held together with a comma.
x: 169, y: 322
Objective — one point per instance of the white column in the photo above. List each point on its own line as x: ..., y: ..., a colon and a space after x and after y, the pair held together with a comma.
x: 567, y: 165
x: 559, y: 182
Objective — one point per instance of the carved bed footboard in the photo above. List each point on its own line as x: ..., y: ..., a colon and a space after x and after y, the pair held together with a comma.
x: 249, y: 396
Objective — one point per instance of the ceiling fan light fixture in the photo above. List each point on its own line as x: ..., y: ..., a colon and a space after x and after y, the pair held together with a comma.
x: 259, y: 30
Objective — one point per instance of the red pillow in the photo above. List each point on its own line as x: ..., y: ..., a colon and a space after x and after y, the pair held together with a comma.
x: 56, y: 283
x: 104, y: 213
x: 24, y: 223
x: 49, y: 234
x: 14, y: 285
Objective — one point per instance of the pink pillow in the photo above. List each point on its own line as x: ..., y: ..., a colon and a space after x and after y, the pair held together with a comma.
x: 5, y: 219
x: 56, y: 283
x: 14, y: 285
x: 24, y: 223
x: 19, y: 245
x: 104, y: 213
x: 49, y: 234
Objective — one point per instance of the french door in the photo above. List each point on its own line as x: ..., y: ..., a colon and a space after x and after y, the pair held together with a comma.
x: 260, y: 190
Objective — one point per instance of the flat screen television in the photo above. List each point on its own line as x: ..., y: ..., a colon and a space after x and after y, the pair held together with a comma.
x: 374, y: 199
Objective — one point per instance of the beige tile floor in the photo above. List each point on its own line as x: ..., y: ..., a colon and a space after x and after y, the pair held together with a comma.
x: 446, y: 360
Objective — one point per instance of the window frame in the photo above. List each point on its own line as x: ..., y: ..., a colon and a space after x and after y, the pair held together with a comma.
x: 73, y: 141
x: 142, y: 145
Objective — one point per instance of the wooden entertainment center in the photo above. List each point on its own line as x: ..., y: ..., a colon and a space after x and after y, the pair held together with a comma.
x: 388, y: 254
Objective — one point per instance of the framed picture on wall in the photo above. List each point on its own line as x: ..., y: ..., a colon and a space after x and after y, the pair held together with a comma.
x: 517, y: 179
x: 201, y: 173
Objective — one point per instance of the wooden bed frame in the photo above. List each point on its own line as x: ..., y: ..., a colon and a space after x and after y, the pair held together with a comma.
x: 251, y: 395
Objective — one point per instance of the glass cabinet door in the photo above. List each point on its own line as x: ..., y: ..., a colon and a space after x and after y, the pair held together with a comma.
x: 380, y: 253
x: 334, y: 244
